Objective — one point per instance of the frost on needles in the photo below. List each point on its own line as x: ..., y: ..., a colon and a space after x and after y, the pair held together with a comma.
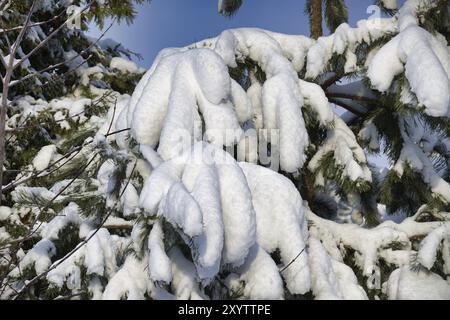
x: 229, y: 172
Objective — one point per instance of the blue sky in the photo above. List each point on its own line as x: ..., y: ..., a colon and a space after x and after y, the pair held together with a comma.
x: 175, y: 23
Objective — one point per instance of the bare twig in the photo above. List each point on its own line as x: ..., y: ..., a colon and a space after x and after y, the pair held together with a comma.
x: 293, y: 260
x: 31, y: 25
x: 40, y: 72
x: 49, y: 37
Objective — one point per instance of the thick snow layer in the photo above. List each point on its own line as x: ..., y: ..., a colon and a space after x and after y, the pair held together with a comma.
x: 344, y: 41
x: 199, y: 78
x: 390, y: 4
x: 205, y: 194
x: 404, y: 284
x: 44, y: 157
x: 409, y: 13
x: 182, y: 86
x: 98, y: 255
x: 280, y: 223
x: 69, y: 215
x: 130, y: 201
x: 181, y: 209
x: 124, y: 65
x: 347, y: 153
x: 426, y: 63
x: 39, y: 257
x: 331, y: 279
x: 184, y: 283
x: 159, y: 266
x: 413, y: 155
x: 202, y: 182
x: 261, y: 277
x: 315, y: 97
x: 430, y: 246
x: 5, y: 213
x: 281, y: 98
x: 131, y: 281
x: 366, y: 242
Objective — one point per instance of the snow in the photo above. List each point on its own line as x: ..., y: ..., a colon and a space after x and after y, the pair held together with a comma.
x: 123, y: 65
x: 182, y: 85
x: 130, y: 281
x: 43, y: 157
x: 315, y: 97
x: 159, y: 266
x: 39, y: 257
x: 370, y: 134
x: 184, y: 283
x: 180, y: 208
x: 344, y: 41
x: 261, y: 277
x: 209, y: 243
x: 413, y: 155
x: 69, y: 215
x: 280, y: 222
x: 188, y: 116
x: 404, y: 284
x: 5, y: 213
x: 390, y: 4
x: 105, y: 176
x: 426, y: 63
x: 430, y: 246
x: 157, y: 186
x: 347, y: 153
x: 100, y: 254
x: 237, y: 209
x: 97, y: 255
x: 331, y: 279
x: 409, y: 12
x: 366, y: 242
x: 130, y: 201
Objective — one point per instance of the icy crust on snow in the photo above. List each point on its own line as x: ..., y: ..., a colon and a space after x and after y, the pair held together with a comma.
x: 347, y: 154
x: 405, y: 284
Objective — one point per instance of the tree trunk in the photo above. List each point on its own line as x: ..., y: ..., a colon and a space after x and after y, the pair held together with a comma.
x: 3, y: 109
x: 316, y: 19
